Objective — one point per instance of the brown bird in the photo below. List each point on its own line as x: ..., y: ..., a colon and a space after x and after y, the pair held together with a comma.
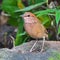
x: 34, y: 27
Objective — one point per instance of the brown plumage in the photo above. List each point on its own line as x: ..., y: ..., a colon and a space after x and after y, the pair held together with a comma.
x: 33, y: 26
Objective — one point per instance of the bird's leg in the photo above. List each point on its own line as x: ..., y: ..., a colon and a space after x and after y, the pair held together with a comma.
x: 33, y: 46
x: 43, y: 44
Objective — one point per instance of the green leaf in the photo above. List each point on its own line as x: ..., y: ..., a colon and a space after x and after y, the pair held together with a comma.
x: 20, y: 4
x: 19, y: 39
x: 31, y: 2
x: 21, y: 34
x: 9, y: 9
x: 9, y: 2
x: 57, y: 16
x: 13, y: 21
x: 59, y: 29
x: 45, y: 19
x: 30, y: 7
x: 9, y: 6
x: 46, y: 12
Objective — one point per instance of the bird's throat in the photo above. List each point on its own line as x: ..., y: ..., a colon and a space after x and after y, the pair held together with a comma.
x: 30, y: 21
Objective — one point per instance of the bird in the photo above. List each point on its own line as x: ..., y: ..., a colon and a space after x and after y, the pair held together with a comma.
x: 34, y: 27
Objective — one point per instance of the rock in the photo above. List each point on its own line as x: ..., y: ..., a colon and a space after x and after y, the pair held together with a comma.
x: 6, y: 54
x: 25, y: 47
x: 22, y: 52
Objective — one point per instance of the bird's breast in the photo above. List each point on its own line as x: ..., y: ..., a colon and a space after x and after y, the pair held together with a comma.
x: 35, y: 30
x: 29, y: 27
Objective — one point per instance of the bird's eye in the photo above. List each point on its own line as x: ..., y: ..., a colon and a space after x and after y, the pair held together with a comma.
x: 28, y: 15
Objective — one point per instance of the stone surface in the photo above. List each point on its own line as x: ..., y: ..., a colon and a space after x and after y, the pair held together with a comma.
x: 22, y: 53
x: 5, y: 54
x: 48, y: 44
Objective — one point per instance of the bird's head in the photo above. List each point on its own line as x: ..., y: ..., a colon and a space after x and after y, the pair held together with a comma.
x: 29, y: 17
